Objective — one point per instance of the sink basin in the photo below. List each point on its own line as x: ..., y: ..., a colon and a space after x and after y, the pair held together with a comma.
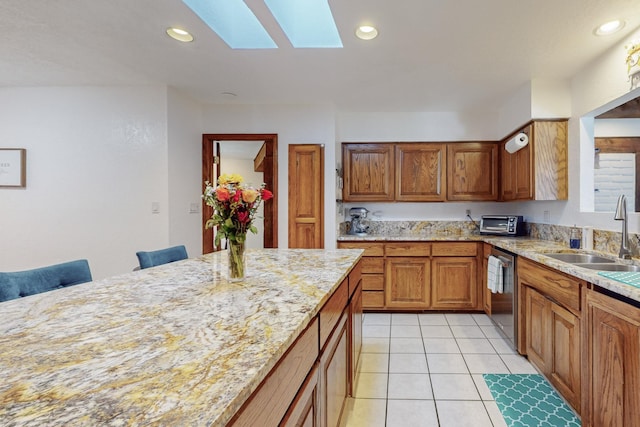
x: 609, y: 267
x: 579, y: 258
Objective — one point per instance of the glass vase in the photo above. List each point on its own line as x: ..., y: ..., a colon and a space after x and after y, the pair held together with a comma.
x: 236, y: 261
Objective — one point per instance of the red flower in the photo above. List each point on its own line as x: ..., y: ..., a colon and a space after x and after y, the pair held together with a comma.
x: 266, y: 194
x: 236, y: 196
x: 243, y: 217
x: 222, y: 194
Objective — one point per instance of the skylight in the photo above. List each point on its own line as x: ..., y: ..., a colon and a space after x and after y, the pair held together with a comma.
x: 307, y: 23
x: 234, y: 22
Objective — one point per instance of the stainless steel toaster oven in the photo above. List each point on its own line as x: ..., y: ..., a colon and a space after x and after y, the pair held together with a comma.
x: 502, y: 225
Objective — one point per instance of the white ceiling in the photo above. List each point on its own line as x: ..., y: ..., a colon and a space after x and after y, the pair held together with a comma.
x: 430, y: 55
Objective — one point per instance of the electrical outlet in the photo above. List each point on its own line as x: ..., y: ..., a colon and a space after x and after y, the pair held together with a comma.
x: 468, y: 212
x: 547, y: 216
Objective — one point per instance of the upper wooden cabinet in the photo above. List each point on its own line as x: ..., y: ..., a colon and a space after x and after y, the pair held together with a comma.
x: 539, y: 170
x: 420, y: 172
x: 472, y: 171
x: 368, y: 172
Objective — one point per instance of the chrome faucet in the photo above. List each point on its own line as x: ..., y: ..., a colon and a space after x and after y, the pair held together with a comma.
x: 621, y: 215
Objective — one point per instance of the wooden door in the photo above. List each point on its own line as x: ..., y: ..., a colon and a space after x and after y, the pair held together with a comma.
x: 334, y: 375
x: 420, y: 172
x: 306, y: 196
x: 565, y: 354
x: 538, y: 337
x: 270, y: 171
x: 507, y: 175
x: 472, y: 171
x: 454, y: 283
x: 611, y: 372
x: 523, y: 173
x: 355, y: 330
x: 407, y: 283
x: 305, y: 410
x: 368, y: 172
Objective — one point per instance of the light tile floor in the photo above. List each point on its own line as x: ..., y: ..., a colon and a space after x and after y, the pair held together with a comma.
x: 426, y: 370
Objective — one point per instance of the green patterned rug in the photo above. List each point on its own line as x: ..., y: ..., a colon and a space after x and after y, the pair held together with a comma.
x: 528, y: 400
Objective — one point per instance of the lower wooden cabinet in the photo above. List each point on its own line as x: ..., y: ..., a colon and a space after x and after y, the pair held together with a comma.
x: 454, y: 283
x: 550, y: 331
x: 611, y: 378
x: 355, y: 339
x: 408, y: 283
x: 334, y: 375
x: 404, y: 275
x: 305, y: 410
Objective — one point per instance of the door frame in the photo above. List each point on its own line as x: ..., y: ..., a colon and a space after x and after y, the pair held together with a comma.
x: 270, y: 178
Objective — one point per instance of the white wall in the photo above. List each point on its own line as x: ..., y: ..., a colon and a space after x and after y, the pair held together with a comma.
x: 96, y: 160
x: 184, y: 117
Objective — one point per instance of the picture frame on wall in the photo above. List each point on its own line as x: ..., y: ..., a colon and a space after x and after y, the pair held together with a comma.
x: 13, y: 167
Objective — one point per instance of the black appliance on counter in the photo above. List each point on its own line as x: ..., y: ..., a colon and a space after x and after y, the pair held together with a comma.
x: 502, y: 225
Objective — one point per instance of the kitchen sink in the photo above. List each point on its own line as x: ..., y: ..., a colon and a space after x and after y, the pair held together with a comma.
x: 573, y: 258
x: 608, y: 266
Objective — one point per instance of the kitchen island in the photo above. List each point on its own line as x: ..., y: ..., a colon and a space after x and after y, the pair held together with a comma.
x: 172, y: 345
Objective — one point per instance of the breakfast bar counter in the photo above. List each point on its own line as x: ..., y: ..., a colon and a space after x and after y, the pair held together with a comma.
x: 172, y: 345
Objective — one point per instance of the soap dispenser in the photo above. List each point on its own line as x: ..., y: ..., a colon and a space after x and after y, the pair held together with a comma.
x: 574, y: 238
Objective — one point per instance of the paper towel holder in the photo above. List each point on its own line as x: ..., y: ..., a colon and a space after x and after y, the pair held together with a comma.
x: 516, y: 143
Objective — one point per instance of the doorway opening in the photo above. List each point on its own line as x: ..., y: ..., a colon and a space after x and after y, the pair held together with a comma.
x: 267, y: 161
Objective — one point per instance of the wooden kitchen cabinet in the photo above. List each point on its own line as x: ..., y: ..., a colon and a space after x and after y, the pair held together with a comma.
x: 420, y: 172
x: 486, y: 292
x: 611, y: 375
x: 305, y: 409
x: 372, y: 263
x: 454, y: 280
x: 539, y: 170
x: 408, y: 282
x: 472, y: 171
x: 369, y: 173
x: 334, y: 375
x: 550, y: 330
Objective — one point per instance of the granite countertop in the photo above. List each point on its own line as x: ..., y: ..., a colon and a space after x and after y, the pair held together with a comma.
x: 171, y: 345
x: 526, y: 247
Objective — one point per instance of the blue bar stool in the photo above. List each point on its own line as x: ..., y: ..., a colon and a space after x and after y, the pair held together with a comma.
x: 161, y: 256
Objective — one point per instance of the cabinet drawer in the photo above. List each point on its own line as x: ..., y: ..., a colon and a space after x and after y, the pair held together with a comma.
x: 372, y: 265
x: 565, y: 290
x: 454, y: 249
x: 372, y: 299
x: 373, y: 282
x: 407, y: 249
x: 370, y: 249
x: 332, y: 310
x: 270, y: 402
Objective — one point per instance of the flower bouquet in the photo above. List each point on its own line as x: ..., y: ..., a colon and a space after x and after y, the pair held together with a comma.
x: 235, y: 205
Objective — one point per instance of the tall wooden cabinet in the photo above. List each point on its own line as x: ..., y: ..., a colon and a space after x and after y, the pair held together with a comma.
x: 369, y: 172
x: 539, y: 170
x: 611, y: 378
x: 306, y: 200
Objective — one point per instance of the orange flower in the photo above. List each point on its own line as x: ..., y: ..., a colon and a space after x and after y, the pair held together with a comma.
x: 249, y: 195
x: 222, y: 194
x: 266, y: 194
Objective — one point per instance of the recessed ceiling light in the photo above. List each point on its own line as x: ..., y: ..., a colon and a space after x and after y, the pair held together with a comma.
x: 366, y: 32
x: 179, y: 34
x: 609, y: 28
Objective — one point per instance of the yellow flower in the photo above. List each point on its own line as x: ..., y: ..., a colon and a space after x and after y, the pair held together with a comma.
x: 234, y: 178
x: 249, y: 195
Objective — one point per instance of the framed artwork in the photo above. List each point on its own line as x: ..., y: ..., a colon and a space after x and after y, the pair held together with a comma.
x: 13, y: 167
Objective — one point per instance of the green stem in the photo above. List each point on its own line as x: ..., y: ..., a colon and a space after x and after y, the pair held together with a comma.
x: 236, y: 260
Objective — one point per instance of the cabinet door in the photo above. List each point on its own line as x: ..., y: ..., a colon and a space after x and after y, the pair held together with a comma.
x: 472, y: 169
x: 507, y: 175
x: 523, y: 173
x: 420, y: 172
x: 565, y: 359
x: 334, y: 375
x: 611, y: 378
x: 538, y: 337
x: 368, y: 172
x: 454, y: 283
x: 305, y: 410
x: 407, y: 283
x: 355, y: 330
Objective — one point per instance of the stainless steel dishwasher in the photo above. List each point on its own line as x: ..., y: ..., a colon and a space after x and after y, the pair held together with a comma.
x: 503, y: 305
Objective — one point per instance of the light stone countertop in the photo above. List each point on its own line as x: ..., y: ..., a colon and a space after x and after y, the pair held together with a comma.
x: 171, y: 345
x: 526, y: 247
